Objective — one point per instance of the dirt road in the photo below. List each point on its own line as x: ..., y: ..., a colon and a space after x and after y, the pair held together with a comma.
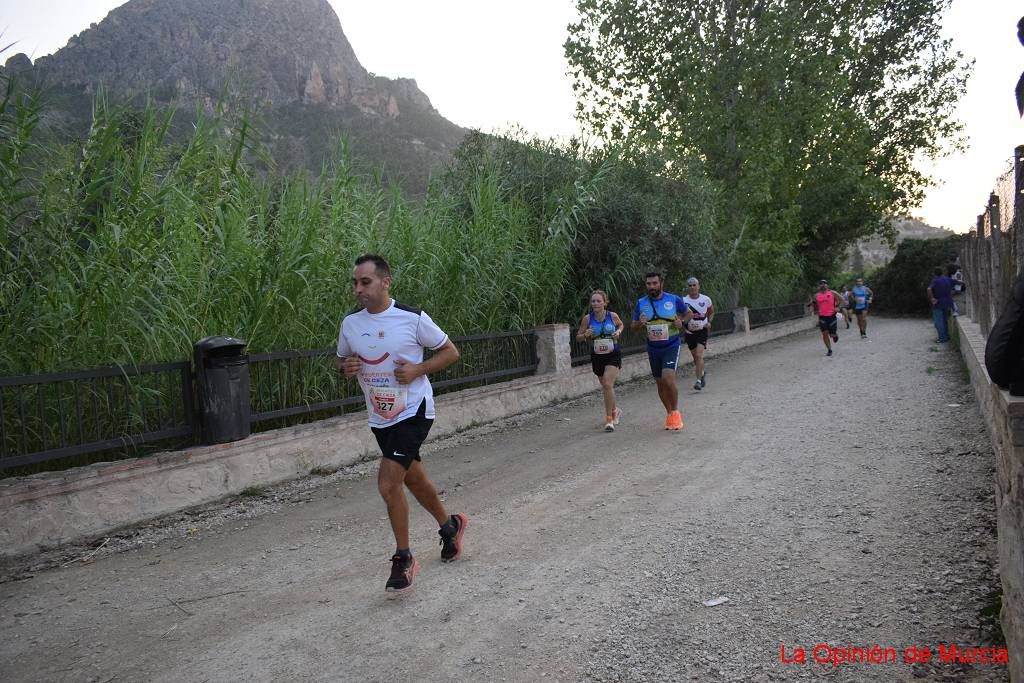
x: 836, y: 501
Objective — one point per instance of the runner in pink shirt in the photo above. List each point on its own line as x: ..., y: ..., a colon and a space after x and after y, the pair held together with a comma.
x: 826, y: 302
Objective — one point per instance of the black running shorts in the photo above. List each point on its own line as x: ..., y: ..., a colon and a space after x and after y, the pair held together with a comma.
x: 828, y: 323
x: 694, y: 338
x: 401, y: 441
x: 599, y: 361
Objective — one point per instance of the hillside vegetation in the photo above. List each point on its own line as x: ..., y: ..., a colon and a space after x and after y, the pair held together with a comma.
x: 128, y: 246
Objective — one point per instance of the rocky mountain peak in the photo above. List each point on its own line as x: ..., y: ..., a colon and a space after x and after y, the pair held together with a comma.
x: 289, y: 58
x: 275, y: 52
x: 18, y: 63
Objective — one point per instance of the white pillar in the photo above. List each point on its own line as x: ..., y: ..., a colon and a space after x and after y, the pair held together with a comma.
x: 553, y: 351
x: 741, y: 316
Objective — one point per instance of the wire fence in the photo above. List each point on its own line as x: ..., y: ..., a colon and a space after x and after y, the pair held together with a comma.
x: 992, y: 255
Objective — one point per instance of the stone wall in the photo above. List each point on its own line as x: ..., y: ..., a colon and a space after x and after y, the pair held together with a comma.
x: 49, y: 509
x: 1004, y: 415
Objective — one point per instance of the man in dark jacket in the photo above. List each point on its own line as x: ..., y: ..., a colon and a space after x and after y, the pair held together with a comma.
x: 940, y: 293
x: 1004, y: 352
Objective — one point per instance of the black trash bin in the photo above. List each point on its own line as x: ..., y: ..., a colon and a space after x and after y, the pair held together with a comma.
x: 222, y: 382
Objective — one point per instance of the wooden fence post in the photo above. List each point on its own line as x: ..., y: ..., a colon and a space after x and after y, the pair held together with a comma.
x: 996, y: 275
x: 1018, y: 208
x: 984, y: 308
x: 968, y: 263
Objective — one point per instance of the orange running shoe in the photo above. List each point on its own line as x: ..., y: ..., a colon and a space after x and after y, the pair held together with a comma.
x: 677, y: 421
x: 669, y: 421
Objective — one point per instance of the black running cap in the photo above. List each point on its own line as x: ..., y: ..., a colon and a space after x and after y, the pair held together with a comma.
x: 822, y: 282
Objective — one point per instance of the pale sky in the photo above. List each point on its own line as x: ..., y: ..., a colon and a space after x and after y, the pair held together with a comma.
x: 493, y: 65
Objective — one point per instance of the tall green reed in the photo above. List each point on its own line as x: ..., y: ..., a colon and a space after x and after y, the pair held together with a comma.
x: 140, y: 244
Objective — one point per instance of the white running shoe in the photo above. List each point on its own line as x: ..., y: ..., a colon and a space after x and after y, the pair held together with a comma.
x: 617, y: 416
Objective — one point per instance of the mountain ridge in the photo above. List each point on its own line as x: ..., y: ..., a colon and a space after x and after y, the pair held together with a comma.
x: 278, y: 57
x: 875, y: 252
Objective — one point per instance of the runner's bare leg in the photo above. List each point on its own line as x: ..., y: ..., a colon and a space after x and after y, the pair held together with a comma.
x: 423, y: 489
x: 390, y: 483
x: 667, y: 391
x: 608, y: 388
x: 698, y: 360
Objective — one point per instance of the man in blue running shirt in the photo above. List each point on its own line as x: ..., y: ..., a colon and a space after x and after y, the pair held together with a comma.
x: 862, y: 298
x: 663, y: 316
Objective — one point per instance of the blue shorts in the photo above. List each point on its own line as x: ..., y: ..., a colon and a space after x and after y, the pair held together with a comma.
x: 661, y: 359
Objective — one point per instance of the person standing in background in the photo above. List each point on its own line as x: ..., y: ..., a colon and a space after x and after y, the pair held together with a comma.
x: 940, y: 294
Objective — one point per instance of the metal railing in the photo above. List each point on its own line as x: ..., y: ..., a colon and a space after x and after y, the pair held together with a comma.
x: 286, y: 385
x: 759, y: 317
x: 487, y: 358
x: 725, y: 323
x: 108, y: 413
x: 67, y: 414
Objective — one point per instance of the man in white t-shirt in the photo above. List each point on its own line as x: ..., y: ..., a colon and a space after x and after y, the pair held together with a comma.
x: 382, y: 343
x: 698, y: 328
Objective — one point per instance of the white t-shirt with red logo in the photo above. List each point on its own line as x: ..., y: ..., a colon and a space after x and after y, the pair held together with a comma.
x: 378, y: 339
x: 700, y: 307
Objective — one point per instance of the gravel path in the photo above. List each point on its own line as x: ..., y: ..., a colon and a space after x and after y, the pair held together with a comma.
x: 832, y: 500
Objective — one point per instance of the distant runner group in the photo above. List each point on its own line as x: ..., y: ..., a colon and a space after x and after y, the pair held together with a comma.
x: 830, y: 304
x: 382, y: 342
x: 666, y: 320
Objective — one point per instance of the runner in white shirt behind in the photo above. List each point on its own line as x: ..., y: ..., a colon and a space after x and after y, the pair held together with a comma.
x: 698, y: 328
x: 382, y: 343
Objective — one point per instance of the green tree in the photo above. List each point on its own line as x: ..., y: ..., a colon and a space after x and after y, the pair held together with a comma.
x: 858, y: 260
x: 808, y: 115
x: 899, y: 287
x: 637, y: 218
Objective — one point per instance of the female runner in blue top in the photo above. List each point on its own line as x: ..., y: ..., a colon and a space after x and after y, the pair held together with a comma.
x: 602, y: 329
